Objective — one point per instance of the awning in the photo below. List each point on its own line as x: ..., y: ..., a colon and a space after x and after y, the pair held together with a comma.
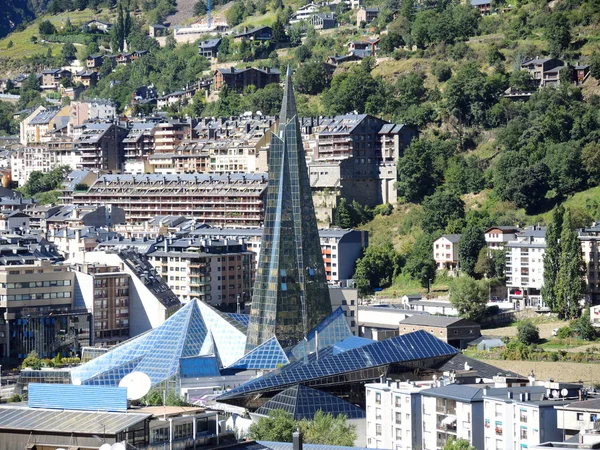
x: 449, y: 420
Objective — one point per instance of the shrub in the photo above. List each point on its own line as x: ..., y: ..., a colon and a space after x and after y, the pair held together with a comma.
x: 16, y: 398
x: 442, y: 71
x: 554, y: 356
x: 527, y: 332
x: 564, y: 332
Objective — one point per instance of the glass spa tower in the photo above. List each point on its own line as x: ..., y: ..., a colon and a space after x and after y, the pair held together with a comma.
x: 290, y: 295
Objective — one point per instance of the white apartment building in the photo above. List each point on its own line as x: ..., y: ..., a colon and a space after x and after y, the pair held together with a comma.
x: 394, y: 414
x: 525, y: 268
x: 519, y: 418
x: 40, y: 158
x: 445, y: 252
x: 578, y: 416
x: 497, y: 237
x: 452, y: 411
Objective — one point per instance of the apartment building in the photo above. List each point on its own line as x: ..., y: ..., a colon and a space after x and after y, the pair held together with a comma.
x: 453, y: 411
x: 234, y: 200
x: 188, y: 157
x: 51, y: 78
x: 590, y: 239
x: 240, y: 79
x: 92, y: 110
x: 168, y: 135
x: 104, y: 289
x: 525, y: 268
x: 445, y: 252
x: 394, y: 415
x: 578, y: 415
x: 101, y: 146
x: 76, y: 180
x: 455, y: 331
x: 523, y: 417
x: 544, y: 71
x: 219, y: 272
x: 40, y: 122
x: 497, y: 237
x: 74, y: 241
x: 138, y: 144
x: 36, y: 307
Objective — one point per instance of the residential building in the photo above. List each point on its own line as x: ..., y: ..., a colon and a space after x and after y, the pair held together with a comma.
x: 35, y: 127
x: 14, y: 221
x: 394, y: 414
x: 96, y: 25
x: 137, y: 145
x: 497, y: 237
x: 101, y: 146
x: 209, y: 48
x: 452, y: 412
x: 523, y: 417
x: 336, y: 60
x: 240, y: 79
x: 72, y: 216
x: 157, y: 30
x: 581, y: 73
x: 256, y: 34
x: 92, y: 110
x: 590, y: 239
x: 365, y: 16
x: 142, y: 197
x: 218, y: 272
x: 484, y: 6
x: 577, y: 416
x: 94, y: 61
x: 51, y: 78
x: 281, y: 298
x: 455, y: 331
x: 525, y: 268
x: 38, y: 214
x: 74, y: 242
x: 544, y: 71
x: 124, y: 58
x: 445, y: 252
x: 169, y: 134
x: 322, y: 21
x: 76, y: 181
x: 304, y: 12
x: 88, y: 78
x: 182, y: 97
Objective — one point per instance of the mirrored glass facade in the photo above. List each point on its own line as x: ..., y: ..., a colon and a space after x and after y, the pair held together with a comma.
x: 290, y: 292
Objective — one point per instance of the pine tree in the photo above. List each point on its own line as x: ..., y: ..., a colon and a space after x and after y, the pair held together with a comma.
x: 570, y: 285
x: 551, y: 258
x: 128, y: 23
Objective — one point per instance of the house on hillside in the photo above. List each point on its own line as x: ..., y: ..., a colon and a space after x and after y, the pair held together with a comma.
x: 256, y: 34
x: 322, y: 21
x: 366, y: 15
x: 98, y: 25
x: 445, y: 252
x: 86, y: 77
x: 94, y: 61
x: 484, y: 6
x: 51, y: 78
x: 157, y: 30
x: 209, y: 48
x: 239, y: 79
x: 336, y: 60
x: 544, y: 71
x: 497, y: 237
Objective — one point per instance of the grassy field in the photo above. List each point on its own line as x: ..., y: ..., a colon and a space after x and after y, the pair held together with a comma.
x: 22, y: 45
x: 563, y: 371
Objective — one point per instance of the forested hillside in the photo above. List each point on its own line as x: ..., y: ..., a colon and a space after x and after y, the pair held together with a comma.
x: 12, y: 14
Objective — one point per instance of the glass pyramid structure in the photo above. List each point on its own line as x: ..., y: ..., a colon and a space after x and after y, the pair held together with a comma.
x: 268, y: 355
x: 303, y: 402
x: 290, y: 292
x: 195, y: 341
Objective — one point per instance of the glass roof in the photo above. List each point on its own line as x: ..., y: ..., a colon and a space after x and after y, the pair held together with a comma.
x: 409, y: 347
x: 268, y: 355
x: 241, y: 318
x: 303, y: 402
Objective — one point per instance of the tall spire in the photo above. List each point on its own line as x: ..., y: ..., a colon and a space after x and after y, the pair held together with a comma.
x: 288, y: 105
x: 291, y: 295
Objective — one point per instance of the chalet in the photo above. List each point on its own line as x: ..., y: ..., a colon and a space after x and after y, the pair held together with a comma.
x: 124, y: 58
x: 363, y: 48
x: 239, y: 79
x: 86, y: 77
x: 144, y: 93
x: 322, y: 21
x: 366, y: 16
x: 544, y: 71
x: 209, y: 48
x: 174, y: 98
x: 94, y: 61
x: 581, y: 72
x: 484, y: 6
x: 51, y: 78
x: 497, y: 237
x: 157, y: 30
x: 336, y: 60
x: 19, y: 79
x: 137, y: 54
x: 256, y: 34
x: 96, y: 25
x: 304, y: 12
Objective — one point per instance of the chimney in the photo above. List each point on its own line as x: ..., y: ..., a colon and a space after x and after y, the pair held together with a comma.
x: 297, y: 440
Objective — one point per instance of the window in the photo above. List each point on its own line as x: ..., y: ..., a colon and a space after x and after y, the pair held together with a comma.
x: 398, y: 418
x: 378, y: 414
x: 378, y: 429
x: 398, y: 400
x: 378, y: 398
x: 523, y: 415
x: 523, y: 433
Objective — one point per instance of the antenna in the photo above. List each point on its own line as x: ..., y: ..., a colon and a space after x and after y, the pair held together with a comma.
x: 138, y: 384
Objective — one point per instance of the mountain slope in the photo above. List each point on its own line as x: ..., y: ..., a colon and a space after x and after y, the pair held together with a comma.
x: 13, y: 13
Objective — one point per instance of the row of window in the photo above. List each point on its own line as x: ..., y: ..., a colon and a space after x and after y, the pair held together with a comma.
x: 35, y: 284
x: 40, y: 296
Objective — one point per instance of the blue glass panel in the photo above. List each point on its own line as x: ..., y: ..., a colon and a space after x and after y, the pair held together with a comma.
x: 268, y: 355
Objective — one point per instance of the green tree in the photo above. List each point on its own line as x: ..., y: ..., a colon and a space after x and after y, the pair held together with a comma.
x: 595, y: 65
x: 470, y: 244
x: 458, y: 444
x: 278, y: 31
x: 200, y: 8
x: 327, y: 429
x: 557, y: 32
x: 420, y: 264
x: 377, y: 268
x: 343, y: 215
x: 10, y: 44
x: 440, y: 209
x: 590, y: 158
x: 69, y: 52
x: 46, y: 27
x: 235, y: 14
x: 527, y: 332
x: 584, y: 324
x: 311, y: 78
x: 469, y: 297
x: 552, y: 258
x: 570, y: 284
x: 32, y: 361
x: 278, y: 427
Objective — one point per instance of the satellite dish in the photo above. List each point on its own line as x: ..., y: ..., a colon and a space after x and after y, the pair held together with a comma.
x: 564, y: 392
x: 118, y: 445
x: 104, y: 447
x: 138, y: 384
x: 555, y: 393
x: 77, y: 382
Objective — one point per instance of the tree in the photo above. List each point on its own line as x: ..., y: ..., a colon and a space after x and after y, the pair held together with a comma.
x: 278, y: 30
x: 557, y: 33
x: 552, y: 258
x: 595, y: 65
x: 200, y: 8
x: 469, y: 297
x: 458, y: 444
x: 491, y: 263
x: 420, y: 264
x: 278, y: 427
x: 69, y: 52
x: 584, y: 324
x: 440, y: 209
x: 470, y: 244
x: 343, y: 215
x: 311, y: 78
x: 590, y: 158
x: 377, y: 268
x: 327, y: 429
x: 46, y: 27
x: 32, y: 361
x: 235, y: 14
x: 570, y: 284
x: 527, y: 332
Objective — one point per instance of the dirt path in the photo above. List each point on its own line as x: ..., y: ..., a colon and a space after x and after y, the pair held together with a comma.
x: 560, y: 371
